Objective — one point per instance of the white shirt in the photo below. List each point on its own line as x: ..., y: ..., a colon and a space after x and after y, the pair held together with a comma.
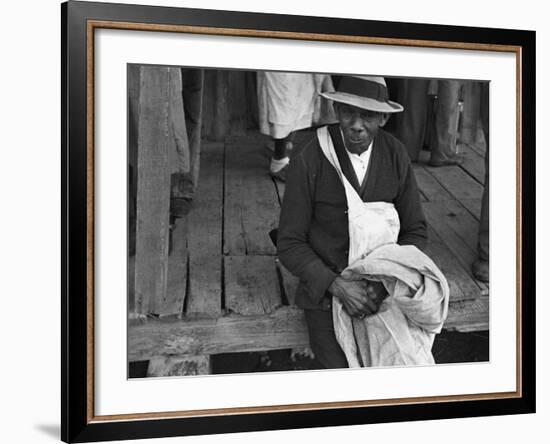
x: 360, y: 162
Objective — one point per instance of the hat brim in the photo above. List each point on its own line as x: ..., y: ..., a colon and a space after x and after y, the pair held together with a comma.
x: 363, y: 102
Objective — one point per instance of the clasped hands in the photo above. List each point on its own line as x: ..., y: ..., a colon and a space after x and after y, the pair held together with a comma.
x: 360, y: 298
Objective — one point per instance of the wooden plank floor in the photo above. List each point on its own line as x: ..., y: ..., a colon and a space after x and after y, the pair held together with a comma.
x: 232, y: 268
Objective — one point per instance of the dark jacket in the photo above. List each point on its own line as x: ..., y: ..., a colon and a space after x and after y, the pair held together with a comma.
x: 313, y: 239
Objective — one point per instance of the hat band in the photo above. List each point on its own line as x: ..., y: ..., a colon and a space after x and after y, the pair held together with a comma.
x: 363, y: 87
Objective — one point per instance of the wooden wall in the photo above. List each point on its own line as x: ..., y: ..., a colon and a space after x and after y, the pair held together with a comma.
x: 230, y: 104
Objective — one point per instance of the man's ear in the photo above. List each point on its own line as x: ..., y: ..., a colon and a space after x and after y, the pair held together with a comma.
x: 384, y: 119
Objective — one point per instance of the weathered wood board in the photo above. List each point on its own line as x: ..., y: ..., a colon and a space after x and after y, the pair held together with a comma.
x: 174, y: 299
x: 473, y: 164
x: 429, y: 185
x: 251, y: 202
x: 251, y: 285
x: 458, y: 229
x: 457, y: 182
x: 466, y: 316
x: 131, y: 280
x: 284, y: 328
x: 461, y: 284
x: 153, y: 199
x: 473, y: 206
x: 205, y: 235
x: 184, y: 365
x: 234, y: 333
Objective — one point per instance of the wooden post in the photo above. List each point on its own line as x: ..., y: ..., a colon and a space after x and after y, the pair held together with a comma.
x: 153, y: 197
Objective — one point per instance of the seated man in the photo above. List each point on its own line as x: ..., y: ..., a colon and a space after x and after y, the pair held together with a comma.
x: 313, y: 238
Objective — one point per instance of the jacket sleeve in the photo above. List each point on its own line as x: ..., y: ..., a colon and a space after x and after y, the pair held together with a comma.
x: 293, y: 248
x: 407, y: 203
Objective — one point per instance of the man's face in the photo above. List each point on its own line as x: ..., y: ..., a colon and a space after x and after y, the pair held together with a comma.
x: 359, y: 126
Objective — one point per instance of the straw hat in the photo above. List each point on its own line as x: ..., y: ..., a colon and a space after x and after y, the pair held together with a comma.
x: 365, y: 92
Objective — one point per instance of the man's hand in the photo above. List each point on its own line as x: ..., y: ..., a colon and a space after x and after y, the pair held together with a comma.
x: 360, y: 298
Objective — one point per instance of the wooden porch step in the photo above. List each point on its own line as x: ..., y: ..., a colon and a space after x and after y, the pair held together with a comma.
x: 251, y: 285
x: 251, y: 201
x: 205, y: 236
x: 227, y: 334
x: 236, y: 333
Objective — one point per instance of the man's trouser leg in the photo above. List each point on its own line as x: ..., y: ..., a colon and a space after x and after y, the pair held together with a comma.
x: 322, y: 339
x: 483, y: 240
x: 446, y: 115
x: 188, y: 133
x: 192, y: 82
x: 410, y: 125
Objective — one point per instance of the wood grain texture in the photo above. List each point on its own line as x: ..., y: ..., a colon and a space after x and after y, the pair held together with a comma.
x: 458, y: 229
x: 461, y: 284
x: 251, y: 285
x: 457, y: 182
x: 220, y: 122
x: 284, y: 328
x: 473, y: 164
x: 205, y: 235
x: 185, y: 365
x: 429, y: 185
x: 152, y: 231
x: 251, y: 202
x: 176, y: 289
x: 237, y: 97
x: 473, y: 206
x: 234, y: 333
x: 467, y: 316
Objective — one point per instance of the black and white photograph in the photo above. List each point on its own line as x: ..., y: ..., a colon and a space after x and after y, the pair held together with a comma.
x: 275, y: 222
x: 294, y: 221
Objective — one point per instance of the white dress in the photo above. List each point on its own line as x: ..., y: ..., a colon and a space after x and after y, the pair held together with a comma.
x: 290, y: 101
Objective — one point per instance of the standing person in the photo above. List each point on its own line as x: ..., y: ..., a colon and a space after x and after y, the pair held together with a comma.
x: 313, y: 237
x: 288, y: 102
x: 410, y: 125
x: 480, y: 268
x: 444, y: 142
x: 186, y: 112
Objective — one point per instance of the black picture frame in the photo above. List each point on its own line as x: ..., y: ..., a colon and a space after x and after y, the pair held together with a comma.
x: 77, y: 422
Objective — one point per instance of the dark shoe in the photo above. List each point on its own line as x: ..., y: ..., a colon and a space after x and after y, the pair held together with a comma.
x: 279, y: 175
x: 480, y: 269
x: 180, y: 206
x: 449, y: 161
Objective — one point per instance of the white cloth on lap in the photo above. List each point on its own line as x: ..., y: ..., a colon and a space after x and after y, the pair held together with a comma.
x: 403, y: 330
